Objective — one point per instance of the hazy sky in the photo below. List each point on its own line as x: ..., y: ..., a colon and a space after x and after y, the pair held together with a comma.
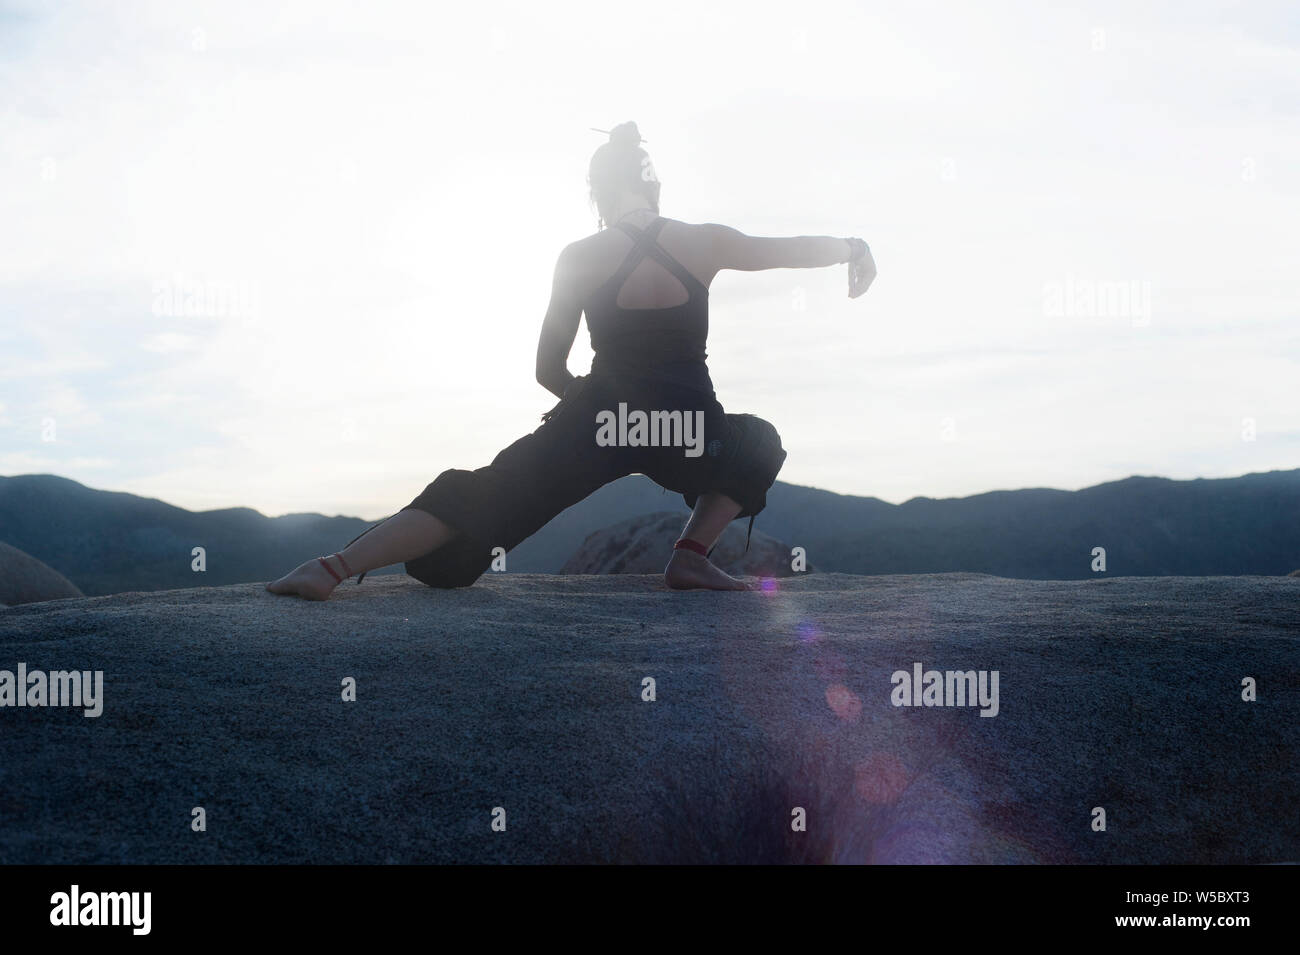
x: 1085, y: 223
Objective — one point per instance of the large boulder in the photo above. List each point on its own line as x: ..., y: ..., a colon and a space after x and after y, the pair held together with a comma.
x: 642, y: 544
x: 25, y: 580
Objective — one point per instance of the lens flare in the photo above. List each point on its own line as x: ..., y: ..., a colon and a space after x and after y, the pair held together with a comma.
x: 843, y: 702
x: 808, y: 633
x: 880, y: 778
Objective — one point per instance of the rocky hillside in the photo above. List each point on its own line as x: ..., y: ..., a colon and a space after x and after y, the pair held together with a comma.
x: 24, y: 579
x: 108, y: 542
x: 642, y: 545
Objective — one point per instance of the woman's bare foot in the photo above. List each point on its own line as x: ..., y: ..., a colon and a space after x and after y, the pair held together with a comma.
x: 688, y: 570
x: 309, y: 580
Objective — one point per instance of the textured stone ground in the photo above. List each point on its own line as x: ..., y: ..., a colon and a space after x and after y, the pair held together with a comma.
x: 524, y: 692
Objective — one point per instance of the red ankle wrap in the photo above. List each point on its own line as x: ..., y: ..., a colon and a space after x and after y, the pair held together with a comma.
x: 687, y: 544
x: 337, y: 579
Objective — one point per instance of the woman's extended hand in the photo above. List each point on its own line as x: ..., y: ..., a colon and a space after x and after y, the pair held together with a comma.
x: 862, y: 269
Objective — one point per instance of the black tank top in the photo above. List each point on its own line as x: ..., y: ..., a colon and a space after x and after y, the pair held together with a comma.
x: 663, y: 343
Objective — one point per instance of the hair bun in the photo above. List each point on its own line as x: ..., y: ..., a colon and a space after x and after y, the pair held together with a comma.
x: 625, y: 134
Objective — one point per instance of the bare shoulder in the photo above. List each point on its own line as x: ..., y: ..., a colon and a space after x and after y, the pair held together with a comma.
x: 574, y: 260
x: 695, y: 245
x: 698, y: 231
x: 712, y: 240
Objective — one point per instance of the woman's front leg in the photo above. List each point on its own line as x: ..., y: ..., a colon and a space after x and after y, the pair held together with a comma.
x: 408, y: 534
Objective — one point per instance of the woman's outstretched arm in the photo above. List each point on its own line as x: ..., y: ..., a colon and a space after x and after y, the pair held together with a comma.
x: 733, y: 249
x: 560, y: 326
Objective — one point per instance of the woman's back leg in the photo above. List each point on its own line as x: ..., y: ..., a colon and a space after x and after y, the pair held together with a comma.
x: 690, y: 570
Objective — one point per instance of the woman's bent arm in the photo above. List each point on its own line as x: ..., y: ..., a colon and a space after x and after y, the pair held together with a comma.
x: 732, y: 249
x: 559, y: 327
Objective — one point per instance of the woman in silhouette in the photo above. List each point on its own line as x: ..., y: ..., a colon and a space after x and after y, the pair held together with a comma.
x: 646, y: 406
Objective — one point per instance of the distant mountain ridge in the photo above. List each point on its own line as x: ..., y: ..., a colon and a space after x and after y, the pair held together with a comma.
x: 109, y: 542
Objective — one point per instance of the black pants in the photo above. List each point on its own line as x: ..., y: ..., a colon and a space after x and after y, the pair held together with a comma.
x: 562, y: 462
